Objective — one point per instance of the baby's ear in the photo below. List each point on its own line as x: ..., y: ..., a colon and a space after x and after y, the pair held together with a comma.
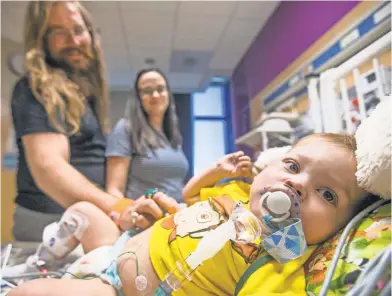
x: 373, y: 152
x: 268, y: 156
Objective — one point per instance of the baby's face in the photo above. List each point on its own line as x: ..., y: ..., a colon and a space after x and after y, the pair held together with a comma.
x: 322, y: 175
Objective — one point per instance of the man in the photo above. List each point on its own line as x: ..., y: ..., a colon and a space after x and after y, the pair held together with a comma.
x: 59, y: 112
x: 60, y: 117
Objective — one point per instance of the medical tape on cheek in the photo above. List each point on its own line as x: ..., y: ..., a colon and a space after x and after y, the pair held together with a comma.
x: 76, y: 223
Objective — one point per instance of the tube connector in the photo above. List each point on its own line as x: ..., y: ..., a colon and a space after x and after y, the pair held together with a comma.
x: 247, y: 226
x: 212, y: 243
x: 172, y: 282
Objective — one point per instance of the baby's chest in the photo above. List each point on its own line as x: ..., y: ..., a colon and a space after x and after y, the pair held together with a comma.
x: 192, y: 224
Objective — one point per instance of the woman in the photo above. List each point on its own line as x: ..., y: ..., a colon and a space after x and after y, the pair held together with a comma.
x: 144, y: 149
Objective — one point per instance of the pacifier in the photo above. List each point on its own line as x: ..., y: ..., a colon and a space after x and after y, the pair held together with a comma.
x: 276, y: 207
x: 281, y: 218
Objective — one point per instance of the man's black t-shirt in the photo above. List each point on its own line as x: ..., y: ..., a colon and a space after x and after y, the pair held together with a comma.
x: 87, y: 147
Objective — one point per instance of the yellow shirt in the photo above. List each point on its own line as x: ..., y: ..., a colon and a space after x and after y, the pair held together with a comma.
x: 175, y: 237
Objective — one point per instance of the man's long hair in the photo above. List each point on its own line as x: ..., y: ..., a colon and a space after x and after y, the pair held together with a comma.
x: 62, y: 98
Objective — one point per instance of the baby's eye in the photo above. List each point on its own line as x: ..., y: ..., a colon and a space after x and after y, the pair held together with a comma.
x: 292, y: 166
x: 328, y: 195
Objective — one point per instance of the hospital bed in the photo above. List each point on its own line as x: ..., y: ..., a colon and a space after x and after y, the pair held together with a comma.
x: 334, y: 107
x: 363, y: 264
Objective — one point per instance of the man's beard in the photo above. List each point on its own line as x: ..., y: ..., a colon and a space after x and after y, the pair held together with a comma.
x: 85, y: 77
x: 62, y: 63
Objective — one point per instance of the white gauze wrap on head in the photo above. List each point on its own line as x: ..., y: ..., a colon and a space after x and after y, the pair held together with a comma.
x: 373, y: 152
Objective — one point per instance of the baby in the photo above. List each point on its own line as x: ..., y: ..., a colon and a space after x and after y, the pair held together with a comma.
x: 319, y: 171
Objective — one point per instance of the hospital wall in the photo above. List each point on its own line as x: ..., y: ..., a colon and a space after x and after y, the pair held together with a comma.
x: 8, y: 180
x: 293, y: 27
x: 279, y: 51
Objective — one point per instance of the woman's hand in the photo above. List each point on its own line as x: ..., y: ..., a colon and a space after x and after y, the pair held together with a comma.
x: 146, y: 211
x: 235, y: 165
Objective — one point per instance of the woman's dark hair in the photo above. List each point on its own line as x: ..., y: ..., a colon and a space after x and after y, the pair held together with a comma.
x: 142, y: 134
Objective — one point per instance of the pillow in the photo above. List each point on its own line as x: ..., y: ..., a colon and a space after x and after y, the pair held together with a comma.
x: 368, y: 239
x: 373, y: 153
x: 268, y: 156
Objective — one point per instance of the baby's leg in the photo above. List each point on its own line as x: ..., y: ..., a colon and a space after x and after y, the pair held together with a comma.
x: 127, y: 267
x: 101, y: 230
x: 57, y: 287
x: 82, y: 223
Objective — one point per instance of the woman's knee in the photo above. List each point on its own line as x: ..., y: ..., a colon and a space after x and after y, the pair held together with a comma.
x: 29, y: 224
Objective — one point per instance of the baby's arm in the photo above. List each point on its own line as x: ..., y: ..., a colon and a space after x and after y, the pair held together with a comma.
x: 232, y: 165
x: 191, y: 191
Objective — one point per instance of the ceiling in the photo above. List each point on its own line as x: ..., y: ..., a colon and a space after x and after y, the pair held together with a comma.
x: 192, y: 41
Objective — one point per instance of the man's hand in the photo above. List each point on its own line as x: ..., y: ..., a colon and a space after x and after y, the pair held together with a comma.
x: 235, y: 165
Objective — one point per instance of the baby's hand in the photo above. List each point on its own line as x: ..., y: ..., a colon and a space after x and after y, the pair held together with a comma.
x: 234, y: 165
x: 142, y: 213
x: 166, y: 203
x: 145, y: 211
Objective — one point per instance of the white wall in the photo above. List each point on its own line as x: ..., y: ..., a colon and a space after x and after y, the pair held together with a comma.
x: 118, y: 102
x: 8, y: 79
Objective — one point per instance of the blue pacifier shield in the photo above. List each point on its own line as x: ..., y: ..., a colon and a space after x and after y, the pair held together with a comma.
x: 287, y: 243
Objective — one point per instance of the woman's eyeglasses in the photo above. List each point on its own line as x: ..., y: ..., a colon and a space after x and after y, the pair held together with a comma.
x: 149, y: 91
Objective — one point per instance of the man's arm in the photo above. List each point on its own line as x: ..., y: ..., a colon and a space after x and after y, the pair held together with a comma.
x: 47, y: 155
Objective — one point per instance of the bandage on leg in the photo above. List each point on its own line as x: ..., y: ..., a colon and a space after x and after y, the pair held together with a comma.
x: 60, y: 238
